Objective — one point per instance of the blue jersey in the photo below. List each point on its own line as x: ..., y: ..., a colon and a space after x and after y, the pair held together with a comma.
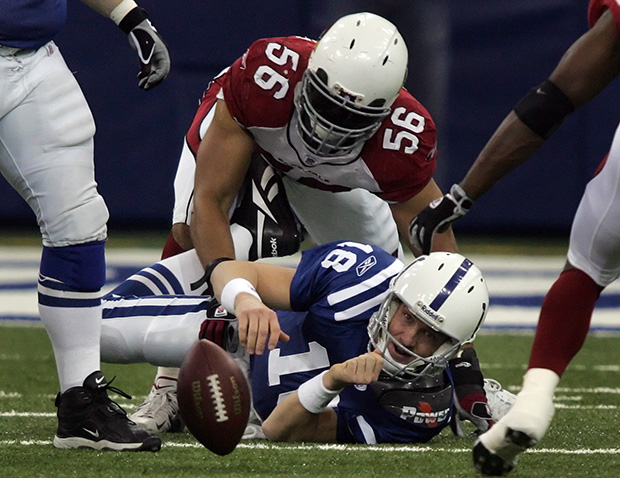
x: 30, y: 24
x: 335, y: 291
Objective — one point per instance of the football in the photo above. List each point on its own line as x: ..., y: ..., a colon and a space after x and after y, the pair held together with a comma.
x: 214, y: 397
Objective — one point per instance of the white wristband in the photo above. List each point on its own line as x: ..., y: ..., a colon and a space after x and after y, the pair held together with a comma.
x: 313, y: 395
x: 232, y: 289
x: 121, y: 10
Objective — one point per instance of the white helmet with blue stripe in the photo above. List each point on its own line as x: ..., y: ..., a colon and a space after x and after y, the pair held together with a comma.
x: 445, y: 291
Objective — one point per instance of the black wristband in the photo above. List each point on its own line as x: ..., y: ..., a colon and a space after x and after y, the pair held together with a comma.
x: 129, y: 21
x: 206, y: 277
x: 544, y: 108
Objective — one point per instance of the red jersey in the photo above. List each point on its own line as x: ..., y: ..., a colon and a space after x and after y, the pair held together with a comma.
x: 597, y: 7
x: 396, y: 163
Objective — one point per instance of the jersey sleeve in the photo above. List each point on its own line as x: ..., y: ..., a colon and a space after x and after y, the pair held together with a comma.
x: 402, y: 155
x: 264, y: 79
x: 597, y: 7
x: 342, y: 280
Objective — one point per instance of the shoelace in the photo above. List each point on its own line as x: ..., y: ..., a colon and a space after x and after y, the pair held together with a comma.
x: 116, y: 390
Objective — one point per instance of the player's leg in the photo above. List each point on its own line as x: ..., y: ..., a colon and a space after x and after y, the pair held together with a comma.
x: 159, y: 329
x: 355, y: 215
x: 262, y: 225
x: 593, y: 263
x: 52, y: 168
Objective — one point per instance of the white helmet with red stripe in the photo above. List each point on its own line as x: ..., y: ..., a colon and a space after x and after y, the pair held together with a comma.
x: 354, y: 74
x: 444, y: 290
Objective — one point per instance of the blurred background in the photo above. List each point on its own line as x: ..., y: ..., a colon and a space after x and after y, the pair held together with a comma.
x: 469, y: 64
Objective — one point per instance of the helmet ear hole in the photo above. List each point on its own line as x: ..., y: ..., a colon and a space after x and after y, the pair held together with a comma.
x: 321, y: 74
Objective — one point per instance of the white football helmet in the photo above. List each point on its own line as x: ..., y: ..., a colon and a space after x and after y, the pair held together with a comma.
x: 444, y: 290
x: 354, y: 74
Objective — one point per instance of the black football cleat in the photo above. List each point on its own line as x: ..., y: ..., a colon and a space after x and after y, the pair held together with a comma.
x: 492, y: 464
x: 88, y: 418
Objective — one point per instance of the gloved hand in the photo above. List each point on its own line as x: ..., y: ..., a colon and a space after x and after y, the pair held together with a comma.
x: 221, y: 328
x: 152, y: 51
x: 437, y: 217
x: 470, y: 399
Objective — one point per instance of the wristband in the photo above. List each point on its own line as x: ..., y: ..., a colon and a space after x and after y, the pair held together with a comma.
x: 313, y: 395
x: 132, y: 19
x: 461, y: 197
x: 121, y: 10
x: 232, y: 289
x: 544, y: 108
x: 206, y: 277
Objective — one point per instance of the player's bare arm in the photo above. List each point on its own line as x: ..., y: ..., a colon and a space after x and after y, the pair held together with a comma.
x: 404, y: 212
x: 251, y: 291
x: 587, y: 67
x: 290, y: 421
x: 221, y: 164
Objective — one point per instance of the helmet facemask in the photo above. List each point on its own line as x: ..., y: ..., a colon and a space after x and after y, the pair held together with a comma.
x: 447, y: 293
x: 333, y: 123
x: 418, y: 366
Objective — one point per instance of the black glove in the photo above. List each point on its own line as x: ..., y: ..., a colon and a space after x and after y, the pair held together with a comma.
x: 470, y: 398
x: 437, y: 217
x: 151, y: 49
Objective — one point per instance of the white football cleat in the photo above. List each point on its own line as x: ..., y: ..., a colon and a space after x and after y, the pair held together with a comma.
x: 499, y: 399
x: 526, y: 422
x: 159, y: 412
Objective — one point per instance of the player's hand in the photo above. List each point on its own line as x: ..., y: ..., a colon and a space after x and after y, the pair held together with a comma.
x: 152, y: 51
x: 259, y: 326
x: 360, y: 370
x: 470, y: 399
x: 437, y: 218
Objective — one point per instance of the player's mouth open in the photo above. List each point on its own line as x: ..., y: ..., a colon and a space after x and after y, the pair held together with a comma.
x: 398, y: 354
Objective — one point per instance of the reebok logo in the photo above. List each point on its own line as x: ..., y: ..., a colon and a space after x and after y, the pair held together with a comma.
x: 273, y: 242
x: 364, y: 266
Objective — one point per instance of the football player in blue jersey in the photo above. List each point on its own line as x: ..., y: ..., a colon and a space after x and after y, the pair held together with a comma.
x: 46, y: 154
x: 351, y: 322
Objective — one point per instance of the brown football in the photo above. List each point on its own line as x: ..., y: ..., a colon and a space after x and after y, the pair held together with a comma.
x: 214, y: 397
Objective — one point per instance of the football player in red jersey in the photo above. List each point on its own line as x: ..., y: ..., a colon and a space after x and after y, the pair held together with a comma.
x: 593, y: 261
x: 325, y: 123
x: 355, y: 150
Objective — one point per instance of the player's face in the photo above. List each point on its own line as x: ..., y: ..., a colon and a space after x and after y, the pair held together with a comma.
x: 413, y: 334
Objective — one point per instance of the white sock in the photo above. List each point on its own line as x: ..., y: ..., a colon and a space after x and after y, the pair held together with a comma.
x: 531, y: 413
x: 74, y: 333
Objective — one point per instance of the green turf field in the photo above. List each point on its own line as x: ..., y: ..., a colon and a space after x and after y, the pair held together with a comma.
x: 583, y: 440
